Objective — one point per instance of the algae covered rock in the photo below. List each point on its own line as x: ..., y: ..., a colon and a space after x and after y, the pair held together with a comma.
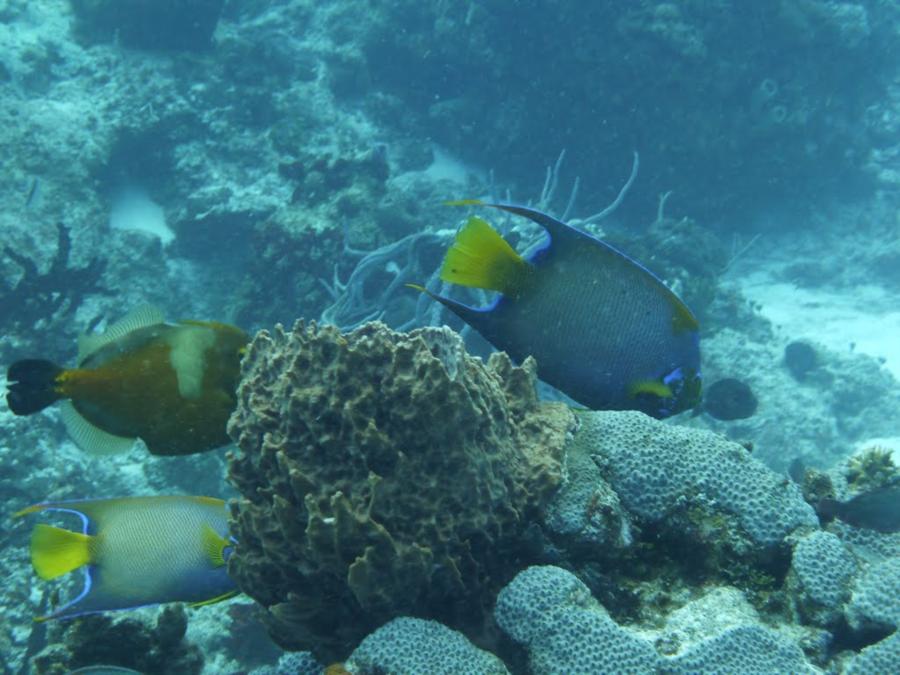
x: 383, y: 474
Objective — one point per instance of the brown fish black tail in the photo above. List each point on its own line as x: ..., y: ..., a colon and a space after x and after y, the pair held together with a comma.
x: 31, y: 385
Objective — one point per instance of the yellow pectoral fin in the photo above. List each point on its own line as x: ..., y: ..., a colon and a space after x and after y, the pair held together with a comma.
x: 214, y: 545
x: 481, y: 258
x: 212, y: 601
x: 55, y: 551
x: 652, y: 387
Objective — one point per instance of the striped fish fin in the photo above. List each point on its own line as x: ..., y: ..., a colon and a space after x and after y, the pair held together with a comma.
x: 214, y: 545
x: 139, y: 317
x: 90, y: 438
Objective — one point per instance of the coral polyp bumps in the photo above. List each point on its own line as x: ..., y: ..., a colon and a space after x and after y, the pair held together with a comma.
x: 384, y: 473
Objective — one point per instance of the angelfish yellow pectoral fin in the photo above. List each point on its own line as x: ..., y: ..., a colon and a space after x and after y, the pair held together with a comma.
x: 55, y: 551
x: 652, y: 387
x: 481, y: 258
x: 214, y: 545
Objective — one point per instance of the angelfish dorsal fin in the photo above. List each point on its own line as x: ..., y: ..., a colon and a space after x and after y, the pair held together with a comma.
x: 139, y: 317
x: 90, y: 438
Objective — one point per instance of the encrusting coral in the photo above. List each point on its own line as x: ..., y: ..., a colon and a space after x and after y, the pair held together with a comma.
x: 383, y: 474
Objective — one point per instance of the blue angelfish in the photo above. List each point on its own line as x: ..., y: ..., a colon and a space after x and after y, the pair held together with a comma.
x: 137, y: 551
x: 603, y: 328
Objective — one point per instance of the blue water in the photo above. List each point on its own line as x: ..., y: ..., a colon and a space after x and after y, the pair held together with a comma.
x: 256, y: 163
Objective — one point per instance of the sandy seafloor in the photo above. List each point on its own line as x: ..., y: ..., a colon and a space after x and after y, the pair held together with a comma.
x: 257, y: 227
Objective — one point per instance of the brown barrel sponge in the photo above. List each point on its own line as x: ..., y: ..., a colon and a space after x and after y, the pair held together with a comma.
x: 384, y: 474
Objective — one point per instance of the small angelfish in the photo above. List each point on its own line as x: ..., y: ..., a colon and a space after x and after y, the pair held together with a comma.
x: 171, y: 385
x: 603, y: 328
x: 137, y: 551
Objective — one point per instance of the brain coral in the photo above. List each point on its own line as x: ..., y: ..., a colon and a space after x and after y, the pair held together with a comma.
x: 823, y: 569
x: 875, y: 598
x: 552, y: 614
x: 657, y: 469
x: 383, y: 474
x: 565, y: 630
x: 407, y: 645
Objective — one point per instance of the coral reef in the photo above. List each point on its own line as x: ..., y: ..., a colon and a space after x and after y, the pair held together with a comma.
x: 871, y: 468
x: 123, y: 641
x: 800, y: 358
x: 565, y: 630
x: 823, y: 569
x: 882, y: 657
x: 48, y: 298
x: 149, y: 24
x: 383, y: 473
x: 408, y: 645
x: 662, y: 472
x: 874, y: 602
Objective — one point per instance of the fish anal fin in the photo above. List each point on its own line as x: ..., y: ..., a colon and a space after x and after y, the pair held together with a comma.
x: 212, y: 601
x: 464, y: 202
x: 55, y: 551
x: 90, y: 438
x: 214, y: 545
x: 481, y: 258
x: 651, y: 387
x: 139, y: 317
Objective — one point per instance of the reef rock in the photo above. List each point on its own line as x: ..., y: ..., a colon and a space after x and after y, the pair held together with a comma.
x: 384, y: 474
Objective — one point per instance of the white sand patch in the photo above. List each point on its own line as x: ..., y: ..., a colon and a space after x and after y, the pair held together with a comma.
x: 133, y: 210
x: 865, y: 319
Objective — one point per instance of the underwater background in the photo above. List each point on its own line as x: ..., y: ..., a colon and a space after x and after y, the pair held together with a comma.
x: 258, y: 162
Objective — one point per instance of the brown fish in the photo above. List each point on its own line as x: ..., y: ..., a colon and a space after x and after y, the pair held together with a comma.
x: 170, y: 384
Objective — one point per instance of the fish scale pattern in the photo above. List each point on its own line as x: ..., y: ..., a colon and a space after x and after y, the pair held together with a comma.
x: 824, y: 568
x: 655, y: 468
x: 409, y: 645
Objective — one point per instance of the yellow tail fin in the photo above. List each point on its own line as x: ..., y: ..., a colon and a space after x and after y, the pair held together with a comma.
x: 55, y: 551
x: 481, y: 258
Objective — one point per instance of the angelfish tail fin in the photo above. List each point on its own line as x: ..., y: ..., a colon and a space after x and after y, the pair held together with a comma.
x: 32, y: 385
x: 481, y: 258
x: 55, y: 551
